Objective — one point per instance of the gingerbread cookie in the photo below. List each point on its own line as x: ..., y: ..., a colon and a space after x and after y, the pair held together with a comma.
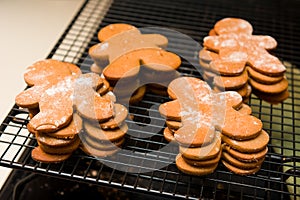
x: 202, y: 153
x: 249, y: 146
x: 119, y: 39
x: 123, y: 43
x: 272, y: 98
x: 168, y: 135
x: 261, y: 78
x: 186, y: 168
x: 56, y: 149
x: 236, y: 48
x: 120, y: 114
x: 239, y: 171
x: 40, y: 156
x: 245, y: 157
x: 192, y: 109
x: 204, y: 163
x: 240, y: 164
x: 41, y: 76
x: 275, y: 88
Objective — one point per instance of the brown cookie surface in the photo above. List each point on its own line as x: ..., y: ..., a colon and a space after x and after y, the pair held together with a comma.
x: 96, y: 152
x: 262, y: 78
x: 193, y: 170
x: 240, y: 164
x: 272, y: 98
x: 227, y: 68
x: 65, y: 149
x: 254, y: 145
x: 128, y: 65
x: 275, y: 88
x: 244, y: 126
x: 240, y: 171
x: 208, y: 151
x: 95, y: 131
x: 41, y: 76
x: 120, y: 114
x: 204, y: 163
x: 40, y: 156
x: 118, y: 39
x: 231, y: 82
x: 245, y: 157
x: 236, y: 25
x: 173, y: 125
x: 168, y: 135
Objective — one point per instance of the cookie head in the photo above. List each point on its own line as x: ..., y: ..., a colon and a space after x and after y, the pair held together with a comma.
x: 233, y: 25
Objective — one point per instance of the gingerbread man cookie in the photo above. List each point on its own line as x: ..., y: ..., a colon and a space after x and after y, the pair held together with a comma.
x: 118, y: 39
x: 42, y: 75
x: 232, y: 47
x: 123, y: 49
x: 202, y: 116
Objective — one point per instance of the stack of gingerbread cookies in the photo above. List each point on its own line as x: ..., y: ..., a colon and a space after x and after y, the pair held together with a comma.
x: 245, y: 156
x: 130, y: 61
x: 60, y: 99
x: 199, y: 120
x: 232, y: 55
x: 199, y: 143
x: 51, y: 119
x: 105, y: 137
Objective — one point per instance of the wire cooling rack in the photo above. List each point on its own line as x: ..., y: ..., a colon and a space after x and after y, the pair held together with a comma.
x: 279, y: 177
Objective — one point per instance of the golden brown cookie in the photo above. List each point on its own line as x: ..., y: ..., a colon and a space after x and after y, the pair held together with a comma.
x: 118, y: 39
x: 230, y: 35
x: 262, y: 78
x: 196, y: 116
x: 173, y: 125
x: 95, y: 131
x: 206, y: 152
x: 272, y: 98
x: 245, y: 157
x: 39, y: 155
x: 64, y: 149
x: 204, y: 163
x: 244, y: 126
x: 193, y: 170
x: 96, y: 152
x: 231, y: 82
x: 128, y: 65
x: 41, y: 76
x: 254, y: 145
x: 168, y: 135
x: 240, y: 171
x: 120, y: 114
x: 275, y: 88
x: 240, y: 164
x: 227, y: 67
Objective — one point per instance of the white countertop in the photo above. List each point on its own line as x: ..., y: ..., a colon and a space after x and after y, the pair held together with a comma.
x: 29, y: 30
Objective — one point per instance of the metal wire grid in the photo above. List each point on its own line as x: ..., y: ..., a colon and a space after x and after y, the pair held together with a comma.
x: 278, y: 178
